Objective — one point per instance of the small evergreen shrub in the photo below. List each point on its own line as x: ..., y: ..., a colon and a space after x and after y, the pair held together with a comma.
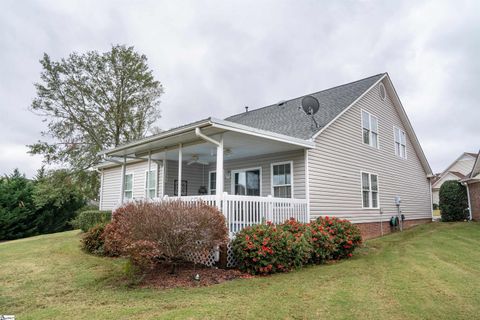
x: 93, y: 240
x: 89, y: 218
x: 453, y: 201
x: 151, y: 233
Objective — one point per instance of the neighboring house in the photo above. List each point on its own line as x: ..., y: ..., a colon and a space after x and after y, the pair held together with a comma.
x: 472, y: 182
x: 350, y: 161
x: 457, y: 171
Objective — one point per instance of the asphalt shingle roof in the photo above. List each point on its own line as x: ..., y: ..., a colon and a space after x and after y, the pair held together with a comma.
x: 289, y: 119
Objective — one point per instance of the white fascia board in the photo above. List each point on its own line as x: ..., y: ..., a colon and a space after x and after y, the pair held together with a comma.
x: 159, y: 136
x: 232, y: 126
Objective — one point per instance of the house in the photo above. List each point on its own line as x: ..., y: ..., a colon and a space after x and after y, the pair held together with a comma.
x: 456, y: 171
x: 472, y: 182
x: 351, y: 160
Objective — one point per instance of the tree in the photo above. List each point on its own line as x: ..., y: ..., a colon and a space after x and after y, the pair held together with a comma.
x: 57, y: 196
x: 453, y: 201
x: 44, y: 205
x: 17, y: 209
x: 92, y: 102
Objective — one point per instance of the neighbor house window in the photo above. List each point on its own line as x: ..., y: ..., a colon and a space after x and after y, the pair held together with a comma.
x: 369, y: 190
x: 151, y: 184
x: 246, y: 182
x: 212, y: 182
x: 370, y: 129
x: 128, y: 186
x: 282, y: 180
x: 400, y: 143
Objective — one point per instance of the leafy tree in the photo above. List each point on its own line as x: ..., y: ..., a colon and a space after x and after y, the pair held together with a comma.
x: 17, y: 209
x: 453, y: 201
x: 57, y: 196
x: 94, y: 101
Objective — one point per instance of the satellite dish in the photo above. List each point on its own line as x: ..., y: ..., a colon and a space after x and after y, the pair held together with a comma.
x: 310, y: 105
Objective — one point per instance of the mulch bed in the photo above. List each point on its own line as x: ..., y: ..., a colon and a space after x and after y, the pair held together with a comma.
x: 162, y: 278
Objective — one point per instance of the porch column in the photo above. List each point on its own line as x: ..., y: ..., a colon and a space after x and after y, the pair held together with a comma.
x: 179, y: 187
x: 219, y: 180
x: 147, y: 183
x: 122, y: 189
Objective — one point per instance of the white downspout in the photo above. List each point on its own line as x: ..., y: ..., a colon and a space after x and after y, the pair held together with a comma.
x: 100, y: 207
x: 431, y: 197
x: 469, y: 204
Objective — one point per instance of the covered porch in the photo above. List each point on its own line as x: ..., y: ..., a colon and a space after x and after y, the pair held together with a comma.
x: 249, y: 175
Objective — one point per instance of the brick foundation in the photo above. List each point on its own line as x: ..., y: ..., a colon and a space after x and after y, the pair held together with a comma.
x: 373, y: 229
x: 474, y: 190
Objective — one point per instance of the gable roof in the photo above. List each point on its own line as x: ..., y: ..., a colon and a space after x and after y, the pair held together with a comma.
x: 288, y: 118
x: 476, y: 167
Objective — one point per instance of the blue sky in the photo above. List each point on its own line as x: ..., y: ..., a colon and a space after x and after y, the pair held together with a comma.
x: 215, y: 57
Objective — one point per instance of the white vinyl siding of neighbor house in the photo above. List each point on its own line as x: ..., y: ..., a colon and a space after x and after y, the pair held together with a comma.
x: 112, y: 181
x: 464, y: 165
x: 335, y: 167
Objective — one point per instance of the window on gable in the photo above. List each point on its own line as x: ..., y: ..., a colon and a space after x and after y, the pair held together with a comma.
x: 282, y: 180
x: 212, y: 182
x: 370, y: 129
x: 400, y: 143
x: 151, y: 184
x: 128, y: 187
x: 369, y: 190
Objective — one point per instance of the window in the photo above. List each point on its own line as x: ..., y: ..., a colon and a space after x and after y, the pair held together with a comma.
x: 246, y: 182
x: 370, y: 129
x: 369, y: 190
x: 400, y: 143
x: 282, y: 180
x: 128, y: 187
x: 212, y: 182
x: 151, y: 184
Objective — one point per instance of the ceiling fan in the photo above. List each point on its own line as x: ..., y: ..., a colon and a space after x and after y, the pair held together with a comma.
x: 196, y: 159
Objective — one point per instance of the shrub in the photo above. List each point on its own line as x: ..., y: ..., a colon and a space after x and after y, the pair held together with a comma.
x: 344, y: 235
x: 93, y: 240
x: 266, y: 248
x: 323, y: 242
x: 164, y: 232
x: 89, y: 218
x: 453, y: 201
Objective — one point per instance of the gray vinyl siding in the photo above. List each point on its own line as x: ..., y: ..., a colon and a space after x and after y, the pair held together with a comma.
x: 264, y: 162
x: 112, y: 181
x: 340, y: 156
x: 196, y: 176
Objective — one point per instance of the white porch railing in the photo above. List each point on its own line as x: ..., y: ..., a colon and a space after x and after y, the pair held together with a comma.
x: 244, y: 211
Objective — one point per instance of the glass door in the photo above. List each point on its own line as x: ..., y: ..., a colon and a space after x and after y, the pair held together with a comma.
x: 246, y: 182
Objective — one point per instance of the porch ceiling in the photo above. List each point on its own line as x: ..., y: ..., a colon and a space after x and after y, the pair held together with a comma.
x: 236, y: 146
x: 239, y: 142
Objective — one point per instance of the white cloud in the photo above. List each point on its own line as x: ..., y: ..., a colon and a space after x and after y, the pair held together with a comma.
x: 215, y: 57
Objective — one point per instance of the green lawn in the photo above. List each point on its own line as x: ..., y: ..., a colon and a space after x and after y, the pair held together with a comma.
x: 429, y: 272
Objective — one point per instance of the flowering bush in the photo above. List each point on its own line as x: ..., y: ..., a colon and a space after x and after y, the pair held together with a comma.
x: 323, y: 242
x: 345, y: 235
x: 266, y: 248
x: 150, y: 233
